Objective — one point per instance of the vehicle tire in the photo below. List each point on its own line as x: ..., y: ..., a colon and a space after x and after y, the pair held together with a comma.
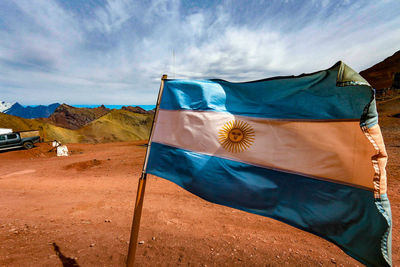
x: 28, y: 145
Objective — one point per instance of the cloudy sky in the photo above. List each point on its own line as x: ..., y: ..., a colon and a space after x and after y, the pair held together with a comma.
x: 115, y: 52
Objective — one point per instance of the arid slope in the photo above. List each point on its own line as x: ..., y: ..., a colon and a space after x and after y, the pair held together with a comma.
x: 118, y: 125
x: 380, y: 75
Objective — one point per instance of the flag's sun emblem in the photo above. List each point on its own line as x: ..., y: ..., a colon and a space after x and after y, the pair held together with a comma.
x: 236, y: 136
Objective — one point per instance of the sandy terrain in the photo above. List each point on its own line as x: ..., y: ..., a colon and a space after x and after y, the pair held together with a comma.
x: 84, y: 204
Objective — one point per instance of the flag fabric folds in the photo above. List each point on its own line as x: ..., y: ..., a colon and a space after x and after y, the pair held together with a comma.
x: 306, y: 150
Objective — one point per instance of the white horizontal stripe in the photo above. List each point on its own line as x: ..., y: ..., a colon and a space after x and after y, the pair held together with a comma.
x: 334, y: 150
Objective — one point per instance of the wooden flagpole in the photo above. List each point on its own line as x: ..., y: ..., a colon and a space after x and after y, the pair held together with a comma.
x: 141, y: 188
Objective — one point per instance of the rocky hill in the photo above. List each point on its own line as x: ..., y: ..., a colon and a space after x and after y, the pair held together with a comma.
x: 381, y: 75
x: 74, y: 118
x: 137, y: 109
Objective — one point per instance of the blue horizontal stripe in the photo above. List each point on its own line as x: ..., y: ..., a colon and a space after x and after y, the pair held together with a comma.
x: 344, y: 215
x: 308, y: 97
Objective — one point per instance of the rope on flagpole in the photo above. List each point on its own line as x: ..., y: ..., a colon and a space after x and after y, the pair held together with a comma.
x: 141, y: 188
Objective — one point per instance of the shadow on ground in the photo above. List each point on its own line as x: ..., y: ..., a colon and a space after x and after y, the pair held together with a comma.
x: 66, y: 261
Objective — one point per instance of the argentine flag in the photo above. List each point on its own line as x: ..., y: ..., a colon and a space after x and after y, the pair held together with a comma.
x: 306, y: 150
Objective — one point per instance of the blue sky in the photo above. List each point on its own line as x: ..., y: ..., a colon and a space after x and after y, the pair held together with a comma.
x: 115, y: 52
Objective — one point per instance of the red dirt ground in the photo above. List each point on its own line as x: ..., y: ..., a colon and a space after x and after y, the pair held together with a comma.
x: 84, y: 204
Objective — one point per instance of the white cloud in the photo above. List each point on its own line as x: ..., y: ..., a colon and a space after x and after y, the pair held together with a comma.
x: 117, y: 52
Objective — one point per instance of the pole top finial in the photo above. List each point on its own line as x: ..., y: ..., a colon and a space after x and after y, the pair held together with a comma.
x: 164, y: 77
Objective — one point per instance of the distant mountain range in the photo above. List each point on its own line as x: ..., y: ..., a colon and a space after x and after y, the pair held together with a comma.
x: 28, y: 112
x: 74, y: 118
x: 64, y: 115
